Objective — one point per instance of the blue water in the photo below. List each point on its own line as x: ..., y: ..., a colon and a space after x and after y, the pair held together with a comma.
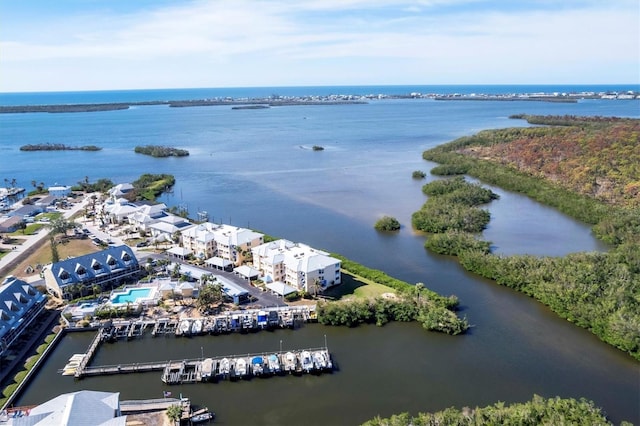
x: 131, y: 295
x: 48, y: 98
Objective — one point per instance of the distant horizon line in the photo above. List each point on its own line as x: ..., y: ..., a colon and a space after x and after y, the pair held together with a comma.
x: 636, y: 85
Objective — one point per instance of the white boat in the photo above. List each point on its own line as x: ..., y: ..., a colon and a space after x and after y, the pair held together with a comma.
x: 196, y: 327
x: 241, y: 367
x: 319, y: 361
x: 184, y: 327
x: 306, y: 361
x: 225, y: 366
x: 201, y: 418
x: 206, y: 368
x: 290, y: 362
x: 274, y: 364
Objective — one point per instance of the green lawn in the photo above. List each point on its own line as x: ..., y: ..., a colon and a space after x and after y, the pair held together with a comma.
x: 357, y: 287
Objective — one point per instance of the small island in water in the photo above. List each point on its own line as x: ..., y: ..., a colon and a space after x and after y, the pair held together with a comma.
x: 161, y: 151
x: 58, y: 147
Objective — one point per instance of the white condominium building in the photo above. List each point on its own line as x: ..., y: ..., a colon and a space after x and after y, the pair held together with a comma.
x: 223, y: 241
x: 297, y: 265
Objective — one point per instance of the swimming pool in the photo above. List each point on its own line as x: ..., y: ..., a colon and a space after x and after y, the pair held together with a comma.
x: 131, y: 295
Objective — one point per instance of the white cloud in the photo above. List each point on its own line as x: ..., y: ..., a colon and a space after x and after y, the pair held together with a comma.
x: 313, y: 42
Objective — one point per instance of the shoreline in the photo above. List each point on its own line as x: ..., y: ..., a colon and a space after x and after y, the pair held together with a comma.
x: 263, y: 103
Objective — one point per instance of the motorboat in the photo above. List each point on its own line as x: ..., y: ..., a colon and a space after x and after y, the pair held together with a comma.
x: 290, y: 362
x: 207, y: 368
x: 274, y: 364
x: 257, y: 365
x: 196, y: 327
x: 241, y: 367
x: 306, y: 361
x: 319, y: 361
x: 202, y: 417
x: 225, y: 367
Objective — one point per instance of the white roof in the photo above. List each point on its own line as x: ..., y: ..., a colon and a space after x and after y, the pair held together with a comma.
x: 218, y: 261
x: 247, y: 271
x: 179, y: 251
x: 82, y: 408
x: 280, y: 288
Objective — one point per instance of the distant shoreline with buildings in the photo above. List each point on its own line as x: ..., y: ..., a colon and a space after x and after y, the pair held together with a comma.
x: 337, y: 99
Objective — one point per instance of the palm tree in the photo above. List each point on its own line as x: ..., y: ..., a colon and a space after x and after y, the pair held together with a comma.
x: 96, y: 289
x: 315, y: 286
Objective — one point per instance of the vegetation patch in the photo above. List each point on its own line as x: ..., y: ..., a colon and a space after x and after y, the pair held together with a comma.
x: 161, y: 151
x: 150, y: 186
x: 452, y: 206
x: 410, y: 303
x: 58, y: 147
x: 538, y: 411
x: 418, y: 174
x: 597, y: 291
x: 387, y: 223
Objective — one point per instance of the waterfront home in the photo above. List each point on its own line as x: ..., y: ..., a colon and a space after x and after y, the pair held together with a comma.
x: 209, y: 240
x: 20, y: 304
x: 76, y: 408
x: 146, y: 215
x: 120, y: 190
x: 11, y: 224
x: 296, y: 265
x: 167, y: 226
x: 107, y: 269
x: 28, y: 210
x: 59, y: 191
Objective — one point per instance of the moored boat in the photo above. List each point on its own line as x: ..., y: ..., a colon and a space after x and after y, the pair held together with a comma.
x: 274, y: 364
x: 290, y: 362
x: 196, y: 327
x: 207, y: 369
x: 306, y: 361
x: 202, y: 417
x: 257, y: 365
x: 225, y: 367
x: 241, y: 367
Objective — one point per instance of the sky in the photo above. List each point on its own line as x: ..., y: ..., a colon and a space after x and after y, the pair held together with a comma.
x: 69, y: 45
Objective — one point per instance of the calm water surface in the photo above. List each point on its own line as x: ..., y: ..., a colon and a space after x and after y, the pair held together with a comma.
x: 255, y: 168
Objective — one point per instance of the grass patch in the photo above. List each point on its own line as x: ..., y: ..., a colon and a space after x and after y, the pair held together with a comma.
x: 354, y: 286
x: 42, y: 255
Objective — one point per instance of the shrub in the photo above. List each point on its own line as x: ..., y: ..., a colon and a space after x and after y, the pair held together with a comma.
x: 387, y: 223
x: 418, y: 174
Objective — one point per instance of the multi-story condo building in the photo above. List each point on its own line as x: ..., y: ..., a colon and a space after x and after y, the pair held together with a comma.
x: 297, y: 265
x: 227, y: 242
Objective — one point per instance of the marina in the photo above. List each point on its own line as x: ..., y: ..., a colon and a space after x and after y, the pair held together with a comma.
x: 229, y: 367
x: 233, y: 321
x: 203, y: 369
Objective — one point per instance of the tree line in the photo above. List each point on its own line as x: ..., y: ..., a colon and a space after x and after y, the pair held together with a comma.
x: 537, y: 411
